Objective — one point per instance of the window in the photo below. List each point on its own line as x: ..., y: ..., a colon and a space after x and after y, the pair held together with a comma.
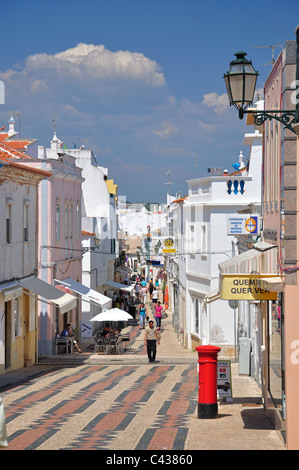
x: 17, y: 316
x: 71, y: 230
x: 204, y: 240
x: 196, y: 314
x: 71, y: 220
x: 58, y: 218
x: 66, y: 219
x: 78, y: 219
x: 276, y: 372
x: 8, y: 223
x: 192, y: 239
x: 66, y: 228
x: 26, y: 221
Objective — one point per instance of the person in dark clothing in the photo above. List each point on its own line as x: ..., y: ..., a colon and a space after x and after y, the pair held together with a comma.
x: 151, y: 338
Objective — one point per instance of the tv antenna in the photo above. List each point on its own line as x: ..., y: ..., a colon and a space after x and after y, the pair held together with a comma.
x: 272, y: 47
x: 168, y: 182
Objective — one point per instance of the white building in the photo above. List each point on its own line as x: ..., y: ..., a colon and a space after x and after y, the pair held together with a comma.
x: 202, y: 225
x: 134, y: 219
x: 137, y: 223
x: 175, y: 266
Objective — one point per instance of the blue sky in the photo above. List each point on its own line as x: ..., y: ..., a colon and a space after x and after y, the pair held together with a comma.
x: 139, y: 82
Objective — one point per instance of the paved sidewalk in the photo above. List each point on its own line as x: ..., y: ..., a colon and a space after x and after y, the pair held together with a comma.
x: 241, y: 425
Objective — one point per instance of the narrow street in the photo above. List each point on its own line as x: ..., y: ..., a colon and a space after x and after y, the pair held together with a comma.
x: 99, y: 402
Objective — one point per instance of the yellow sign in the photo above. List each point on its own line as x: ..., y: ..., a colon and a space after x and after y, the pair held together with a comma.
x: 244, y: 288
x: 168, y: 245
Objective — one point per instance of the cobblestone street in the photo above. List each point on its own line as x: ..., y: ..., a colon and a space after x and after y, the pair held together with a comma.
x: 124, y: 403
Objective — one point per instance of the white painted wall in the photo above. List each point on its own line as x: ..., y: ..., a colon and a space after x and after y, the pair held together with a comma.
x: 206, y: 244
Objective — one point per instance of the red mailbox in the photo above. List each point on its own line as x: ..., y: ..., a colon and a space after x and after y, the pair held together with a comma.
x: 207, y: 382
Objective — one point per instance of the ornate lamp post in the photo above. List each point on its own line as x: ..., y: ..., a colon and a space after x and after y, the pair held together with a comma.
x: 240, y: 80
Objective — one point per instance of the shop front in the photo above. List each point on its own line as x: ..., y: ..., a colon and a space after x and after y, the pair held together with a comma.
x: 253, y: 276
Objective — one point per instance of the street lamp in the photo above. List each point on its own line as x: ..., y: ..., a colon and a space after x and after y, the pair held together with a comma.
x: 240, y: 81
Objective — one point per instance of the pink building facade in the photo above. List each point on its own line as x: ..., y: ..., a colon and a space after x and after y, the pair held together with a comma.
x: 60, y: 250
x: 280, y: 207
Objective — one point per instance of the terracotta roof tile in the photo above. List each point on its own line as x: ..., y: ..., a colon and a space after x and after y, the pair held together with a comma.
x: 13, y: 152
x: 9, y: 158
x: 180, y: 200
x: 87, y: 233
x: 14, y: 143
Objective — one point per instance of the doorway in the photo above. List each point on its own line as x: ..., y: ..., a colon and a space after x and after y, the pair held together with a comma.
x: 26, y: 315
x: 8, y: 333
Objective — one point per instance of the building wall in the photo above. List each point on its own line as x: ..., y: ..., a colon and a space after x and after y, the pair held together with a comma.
x: 209, y: 323
x: 281, y: 227
x: 291, y: 346
x: 59, y: 258
x: 17, y: 258
x: 18, y: 325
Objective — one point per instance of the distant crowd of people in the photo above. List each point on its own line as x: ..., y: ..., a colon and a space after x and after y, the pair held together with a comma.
x: 146, y: 293
x: 143, y: 287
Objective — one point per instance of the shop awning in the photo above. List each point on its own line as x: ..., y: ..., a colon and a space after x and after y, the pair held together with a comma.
x: 154, y: 262
x: 116, y: 285
x: 262, y: 259
x: 65, y: 302
x: 89, y: 295
x: 11, y: 290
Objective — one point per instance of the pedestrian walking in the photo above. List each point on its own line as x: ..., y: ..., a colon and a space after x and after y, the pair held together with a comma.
x: 151, y: 338
x: 137, y: 290
x: 155, y: 296
x: 142, y: 314
x: 151, y: 287
x: 143, y: 294
x: 158, y: 314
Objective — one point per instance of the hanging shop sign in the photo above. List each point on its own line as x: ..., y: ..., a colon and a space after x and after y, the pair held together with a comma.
x: 168, y: 245
x: 243, y: 225
x: 244, y: 288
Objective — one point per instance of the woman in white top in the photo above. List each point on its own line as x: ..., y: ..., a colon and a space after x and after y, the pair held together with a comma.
x: 155, y: 296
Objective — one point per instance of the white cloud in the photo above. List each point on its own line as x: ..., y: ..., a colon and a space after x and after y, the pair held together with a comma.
x: 166, y: 130
x: 206, y: 126
x: 95, y: 61
x: 116, y: 103
x: 37, y: 85
x: 218, y: 102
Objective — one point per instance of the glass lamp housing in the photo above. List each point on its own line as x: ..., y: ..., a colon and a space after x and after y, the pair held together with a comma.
x: 240, y: 81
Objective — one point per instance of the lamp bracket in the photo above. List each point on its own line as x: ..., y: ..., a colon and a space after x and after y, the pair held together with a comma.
x: 287, y: 118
